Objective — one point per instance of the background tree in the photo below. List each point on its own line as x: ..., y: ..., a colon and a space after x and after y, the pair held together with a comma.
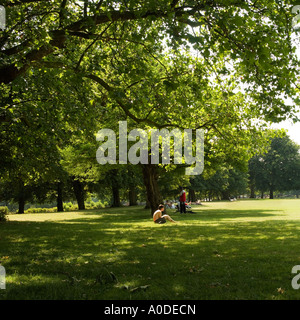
x: 277, y: 169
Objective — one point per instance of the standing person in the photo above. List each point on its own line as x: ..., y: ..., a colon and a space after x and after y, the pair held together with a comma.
x: 159, y: 218
x: 182, y: 200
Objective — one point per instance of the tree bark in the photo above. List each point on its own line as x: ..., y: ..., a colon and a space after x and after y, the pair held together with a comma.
x: 59, y: 199
x: 21, y: 197
x: 21, y: 202
x: 150, y: 176
x: 192, y: 195
x: 271, y: 193
x: 115, y: 188
x: 132, y: 196
x: 79, y: 194
x: 116, y: 196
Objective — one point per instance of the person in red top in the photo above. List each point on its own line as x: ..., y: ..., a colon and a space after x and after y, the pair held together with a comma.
x: 182, y: 200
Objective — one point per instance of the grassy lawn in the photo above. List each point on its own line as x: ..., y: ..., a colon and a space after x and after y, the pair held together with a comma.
x: 226, y: 250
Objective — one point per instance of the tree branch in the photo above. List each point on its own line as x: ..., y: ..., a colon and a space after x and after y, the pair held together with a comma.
x: 90, y: 45
x: 20, y: 2
x: 62, y: 12
x: 10, y: 72
x: 16, y: 49
x: 125, y: 107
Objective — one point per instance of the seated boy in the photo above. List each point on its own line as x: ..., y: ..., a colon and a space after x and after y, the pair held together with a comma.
x: 159, y: 218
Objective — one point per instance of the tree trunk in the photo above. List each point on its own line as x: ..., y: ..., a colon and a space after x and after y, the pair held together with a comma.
x: 21, y: 202
x: 132, y: 196
x: 225, y: 195
x: 271, y: 193
x: 262, y: 195
x: 59, y: 198
x: 115, y: 196
x: 115, y: 188
x: 79, y: 194
x: 252, y: 191
x: 192, y: 195
x: 150, y: 176
x: 21, y: 197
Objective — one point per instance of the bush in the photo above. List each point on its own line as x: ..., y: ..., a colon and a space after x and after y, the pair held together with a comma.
x: 41, y: 210
x: 70, y: 206
x: 3, y: 213
x: 95, y: 205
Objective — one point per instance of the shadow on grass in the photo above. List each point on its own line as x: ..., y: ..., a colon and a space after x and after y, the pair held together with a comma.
x: 126, y: 256
x: 217, y: 214
x: 197, y: 215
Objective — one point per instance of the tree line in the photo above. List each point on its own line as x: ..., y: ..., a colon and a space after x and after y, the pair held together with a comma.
x: 278, y: 169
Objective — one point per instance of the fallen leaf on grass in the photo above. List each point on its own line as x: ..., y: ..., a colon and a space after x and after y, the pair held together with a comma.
x: 140, y: 288
x: 126, y: 287
x: 280, y: 290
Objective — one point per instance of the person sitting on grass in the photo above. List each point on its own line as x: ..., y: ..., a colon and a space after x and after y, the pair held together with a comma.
x: 159, y: 218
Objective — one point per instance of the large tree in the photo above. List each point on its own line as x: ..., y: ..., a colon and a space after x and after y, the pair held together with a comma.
x: 134, y: 59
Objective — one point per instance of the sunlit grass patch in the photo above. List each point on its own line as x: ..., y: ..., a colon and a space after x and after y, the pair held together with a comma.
x: 225, y: 250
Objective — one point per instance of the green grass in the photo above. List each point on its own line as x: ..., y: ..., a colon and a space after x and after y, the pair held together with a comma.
x: 226, y: 250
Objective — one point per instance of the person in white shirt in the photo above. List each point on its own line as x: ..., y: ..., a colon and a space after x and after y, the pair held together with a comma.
x: 159, y: 218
